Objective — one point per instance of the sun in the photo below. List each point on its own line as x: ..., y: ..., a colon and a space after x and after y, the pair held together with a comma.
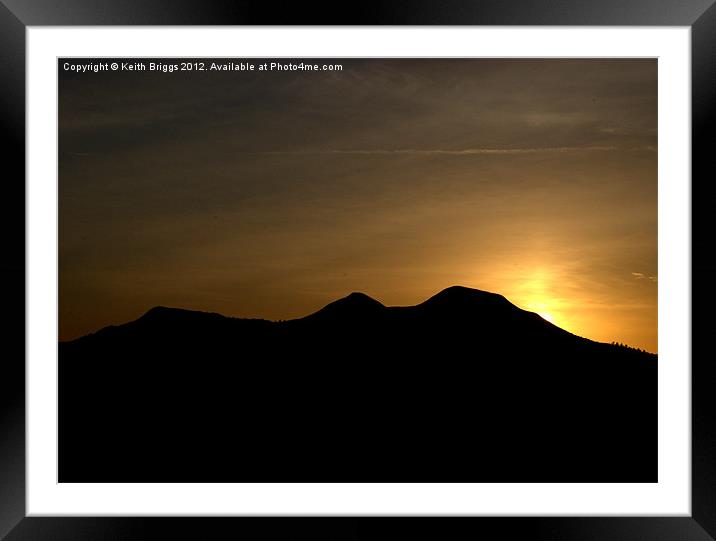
x: 547, y: 316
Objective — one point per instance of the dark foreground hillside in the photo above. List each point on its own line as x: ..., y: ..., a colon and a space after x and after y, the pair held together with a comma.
x: 464, y: 387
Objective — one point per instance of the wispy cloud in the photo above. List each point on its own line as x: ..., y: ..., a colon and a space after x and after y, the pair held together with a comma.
x: 453, y: 152
x: 642, y: 276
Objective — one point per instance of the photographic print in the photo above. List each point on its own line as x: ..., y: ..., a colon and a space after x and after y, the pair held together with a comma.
x: 357, y: 270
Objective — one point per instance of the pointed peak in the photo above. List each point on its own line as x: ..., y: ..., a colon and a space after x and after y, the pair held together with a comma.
x: 355, y: 304
x: 357, y: 299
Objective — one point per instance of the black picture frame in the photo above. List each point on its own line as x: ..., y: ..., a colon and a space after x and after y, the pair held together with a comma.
x: 16, y: 15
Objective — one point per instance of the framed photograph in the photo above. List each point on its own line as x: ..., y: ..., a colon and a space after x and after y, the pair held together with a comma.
x: 422, y: 265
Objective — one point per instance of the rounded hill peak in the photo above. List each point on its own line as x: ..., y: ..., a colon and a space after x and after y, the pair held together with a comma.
x: 462, y: 292
x: 460, y: 297
x: 357, y: 296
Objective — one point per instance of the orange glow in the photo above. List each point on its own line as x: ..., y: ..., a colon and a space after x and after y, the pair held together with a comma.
x: 272, y: 196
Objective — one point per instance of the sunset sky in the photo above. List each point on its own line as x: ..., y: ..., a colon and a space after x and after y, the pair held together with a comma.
x: 271, y: 194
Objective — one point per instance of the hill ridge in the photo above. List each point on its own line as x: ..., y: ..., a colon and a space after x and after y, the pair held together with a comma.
x: 451, y: 304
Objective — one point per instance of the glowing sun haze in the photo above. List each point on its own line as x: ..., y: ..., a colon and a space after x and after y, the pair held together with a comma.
x: 271, y: 194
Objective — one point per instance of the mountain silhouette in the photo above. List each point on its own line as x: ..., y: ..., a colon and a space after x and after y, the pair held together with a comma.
x: 355, y: 306
x: 464, y: 387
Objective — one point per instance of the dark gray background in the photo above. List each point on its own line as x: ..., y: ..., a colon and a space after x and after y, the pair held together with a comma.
x: 15, y: 15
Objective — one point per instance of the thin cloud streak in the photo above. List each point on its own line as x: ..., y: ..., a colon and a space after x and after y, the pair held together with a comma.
x: 457, y: 152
